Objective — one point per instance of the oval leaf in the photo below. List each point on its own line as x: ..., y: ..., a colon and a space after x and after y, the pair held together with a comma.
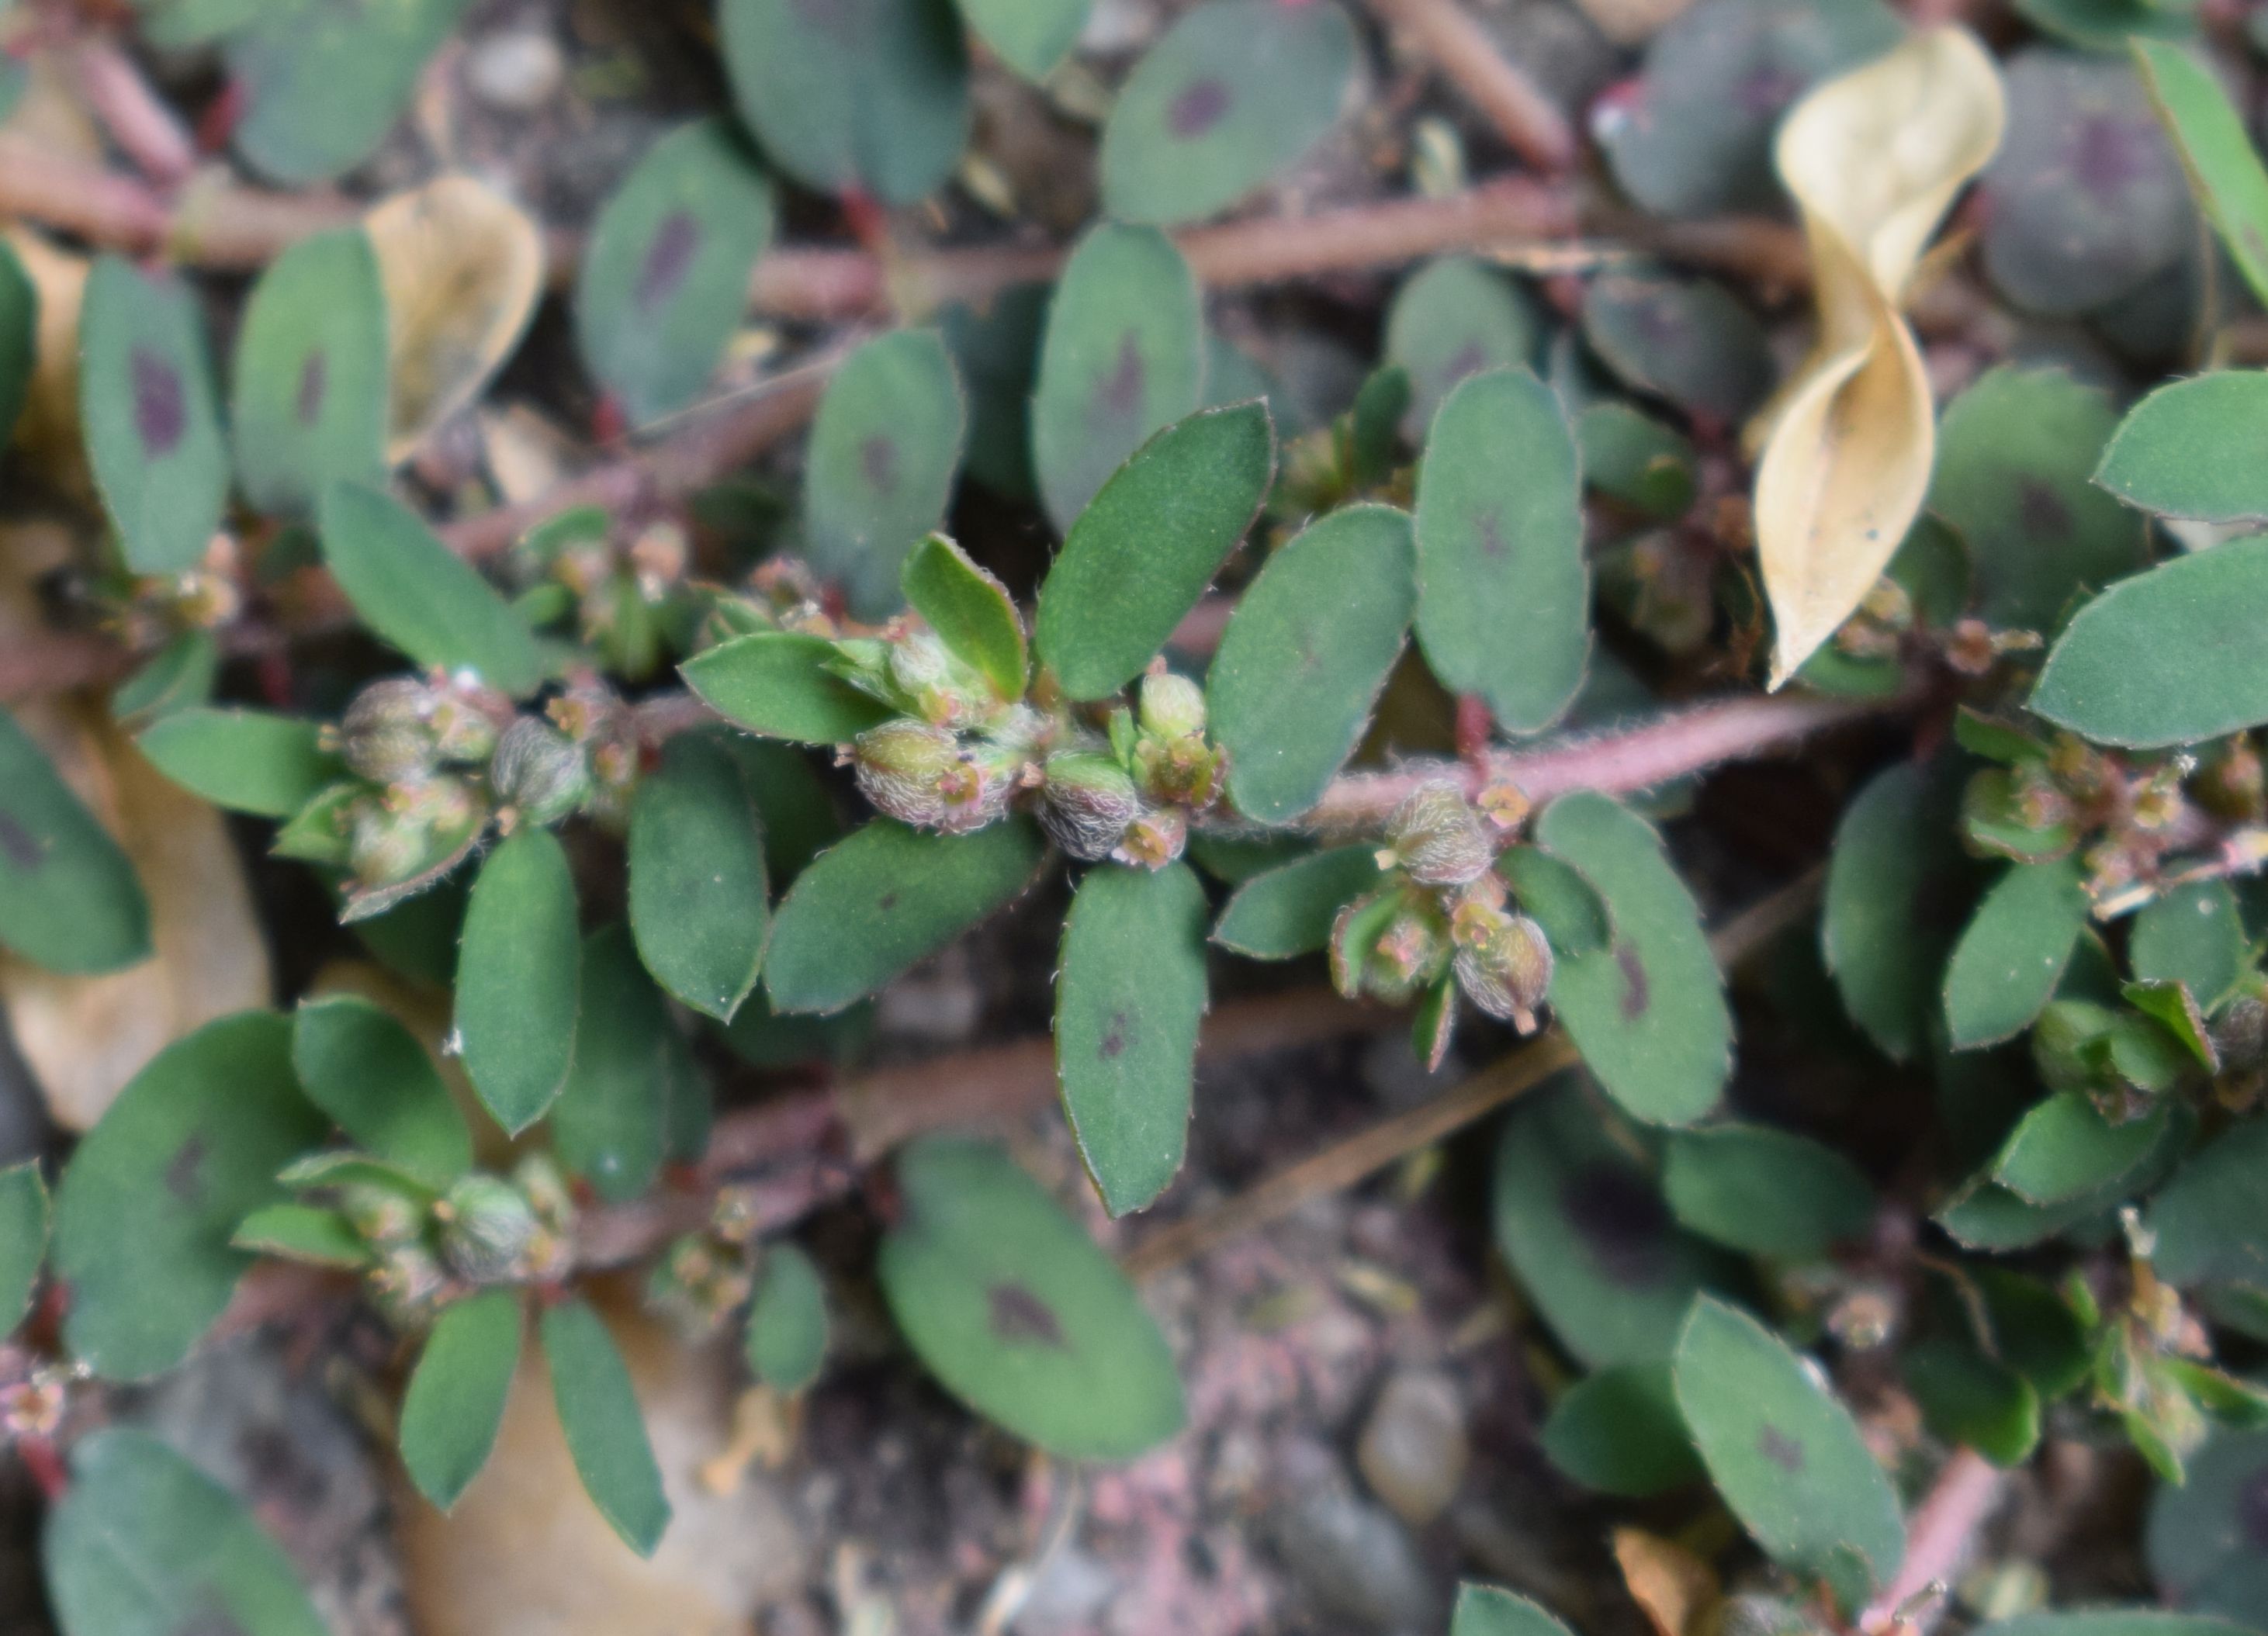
x: 611, y: 1125
x: 457, y: 1393
x: 1458, y: 318
x: 1129, y: 993
x: 1882, y: 931
x: 1031, y: 36
x: 145, y: 1210
x: 1485, y: 1610
x: 368, y: 1072
x: 1619, y: 1431
x: 1236, y: 91
x: 665, y: 282
x: 1504, y: 597
x: 22, y: 1238
x: 2166, y: 657
x: 70, y: 900
x: 19, y: 327
x: 598, y: 1412
x: 1013, y: 1307
x: 2013, y: 953
x: 246, y: 760
x: 1307, y: 654
x: 786, y: 1339
x: 1765, y: 1191
x: 884, y: 897
x: 518, y: 978
x: 311, y: 374
x: 1142, y: 554
x: 2186, y: 450
x: 1647, y: 1008
x: 698, y: 892
x: 1289, y: 910
x: 776, y: 683
x: 1688, y: 342
x: 883, y: 455
x: 2063, y: 1148
x: 323, y: 82
x: 152, y: 423
x: 970, y: 611
x: 2223, y: 168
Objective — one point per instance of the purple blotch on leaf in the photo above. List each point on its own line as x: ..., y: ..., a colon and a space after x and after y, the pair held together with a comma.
x: 1637, y: 992
x: 1489, y: 527
x: 878, y: 459
x: 184, y: 1173
x: 1199, y: 108
x: 667, y: 259
x: 1119, y: 393
x: 160, y: 415
x: 1621, y: 1219
x: 1781, y: 1450
x: 18, y: 845
x: 1020, y: 1315
x: 314, y: 377
x: 2108, y: 151
x: 1117, y: 1036
x: 2041, y: 512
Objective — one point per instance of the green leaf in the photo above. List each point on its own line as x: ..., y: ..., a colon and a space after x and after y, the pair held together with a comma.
x: 1129, y: 993
x: 1894, y: 866
x: 799, y: 814
x: 1458, y: 317
x: 2105, y: 24
x: 304, y: 1233
x: 420, y: 597
x: 1630, y: 457
x: 1618, y: 1431
x: 323, y: 81
x: 23, y: 1239
x: 1306, y: 655
x: 1696, y: 141
x: 2204, y: 1536
x: 2116, y: 1622
x: 867, y: 94
x: 1646, y: 1010
x: 1587, y: 1233
x: 2064, y: 1149
x: 776, y: 683
x: 179, y: 674
x: 143, y: 1540
x: 1984, y: 1215
x: 1140, y: 556
x: 1288, y: 909
x: 368, y: 1072
x: 665, y: 282
x: 1787, y: 1457
x: 2217, y: 153
x: 2211, y: 1220
x: 2013, y: 952
x: 1504, y: 596
x: 1031, y: 36
x: 2186, y: 450
x: 598, y: 1412
x: 970, y: 611
x: 996, y: 347
x: 311, y: 377
x: 19, y: 319
x: 884, y: 897
x: 1485, y: 1610
x: 1573, y: 916
x: 1009, y: 1303
x: 246, y: 760
x: 146, y: 1207
x: 611, y: 1123
x: 883, y: 454
x: 786, y: 1339
x: 152, y: 425
x: 456, y: 1396
x: 1767, y: 1191
x: 2016, y: 459
x: 518, y: 978
x: 1969, y: 1399
x: 699, y: 891
x: 69, y: 897
x: 2164, y: 657
x: 1237, y: 91
x: 1124, y: 356
x: 1689, y: 341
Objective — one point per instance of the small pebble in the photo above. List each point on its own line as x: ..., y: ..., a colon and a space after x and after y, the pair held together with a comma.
x: 516, y: 72
x: 1354, y: 1562
x: 1413, y: 1448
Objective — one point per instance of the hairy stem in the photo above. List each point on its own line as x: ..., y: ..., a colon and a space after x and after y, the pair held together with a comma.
x: 136, y: 117
x: 1938, y: 1543
x: 1501, y: 91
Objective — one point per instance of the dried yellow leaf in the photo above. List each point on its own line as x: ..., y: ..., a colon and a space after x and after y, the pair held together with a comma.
x: 463, y: 267
x: 49, y: 432
x: 1873, y: 159
x: 1672, y: 1586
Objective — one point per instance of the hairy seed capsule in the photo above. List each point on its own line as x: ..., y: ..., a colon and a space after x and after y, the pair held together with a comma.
x: 539, y: 771
x: 1172, y: 706
x: 902, y: 767
x: 1087, y: 801
x: 1435, y: 837
x: 386, y: 735
x: 1153, y: 840
x: 1507, y: 973
x: 488, y: 1230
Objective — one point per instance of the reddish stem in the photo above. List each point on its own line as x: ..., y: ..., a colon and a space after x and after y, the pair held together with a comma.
x: 137, y: 119
x: 1512, y: 102
x: 1937, y: 1541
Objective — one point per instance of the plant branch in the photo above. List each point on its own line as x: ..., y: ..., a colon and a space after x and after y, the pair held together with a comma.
x: 146, y: 129
x: 1938, y: 1543
x: 1366, y: 1152
x: 1498, y: 87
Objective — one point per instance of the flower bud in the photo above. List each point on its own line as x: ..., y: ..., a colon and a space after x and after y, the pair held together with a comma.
x: 1408, y: 956
x: 380, y: 1216
x: 1172, y: 706
x: 383, y: 845
x: 1155, y: 839
x: 935, y: 686
x: 463, y: 731
x: 545, y: 1189
x: 387, y: 734
x: 1435, y: 837
x: 902, y: 766
x: 1507, y: 972
x: 1087, y: 801
x: 539, y: 772
x: 488, y: 1230
x: 2061, y: 1040
x: 406, y: 1283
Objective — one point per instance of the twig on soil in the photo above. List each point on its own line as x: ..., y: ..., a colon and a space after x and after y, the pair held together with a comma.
x: 1343, y: 1163
x: 1938, y: 1543
x: 1461, y: 50
x: 138, y: 120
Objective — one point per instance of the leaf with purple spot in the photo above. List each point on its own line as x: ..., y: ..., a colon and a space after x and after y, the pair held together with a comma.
x: 1031, y: 36
x: 1456, y: 317
x: 2208, y: 1537
x: 1786, y: 1454
x: 885, y: 452
x: 70, y: 900
x: 1124, y: 356
x: 152, y: 426
x: 309, y: 387
x: 1236, y: 92
x: 1129, y: 993
x: 665, y: 281
x: 1689, y: 341
x: 1011, y: 1305
x: 324, y: 81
